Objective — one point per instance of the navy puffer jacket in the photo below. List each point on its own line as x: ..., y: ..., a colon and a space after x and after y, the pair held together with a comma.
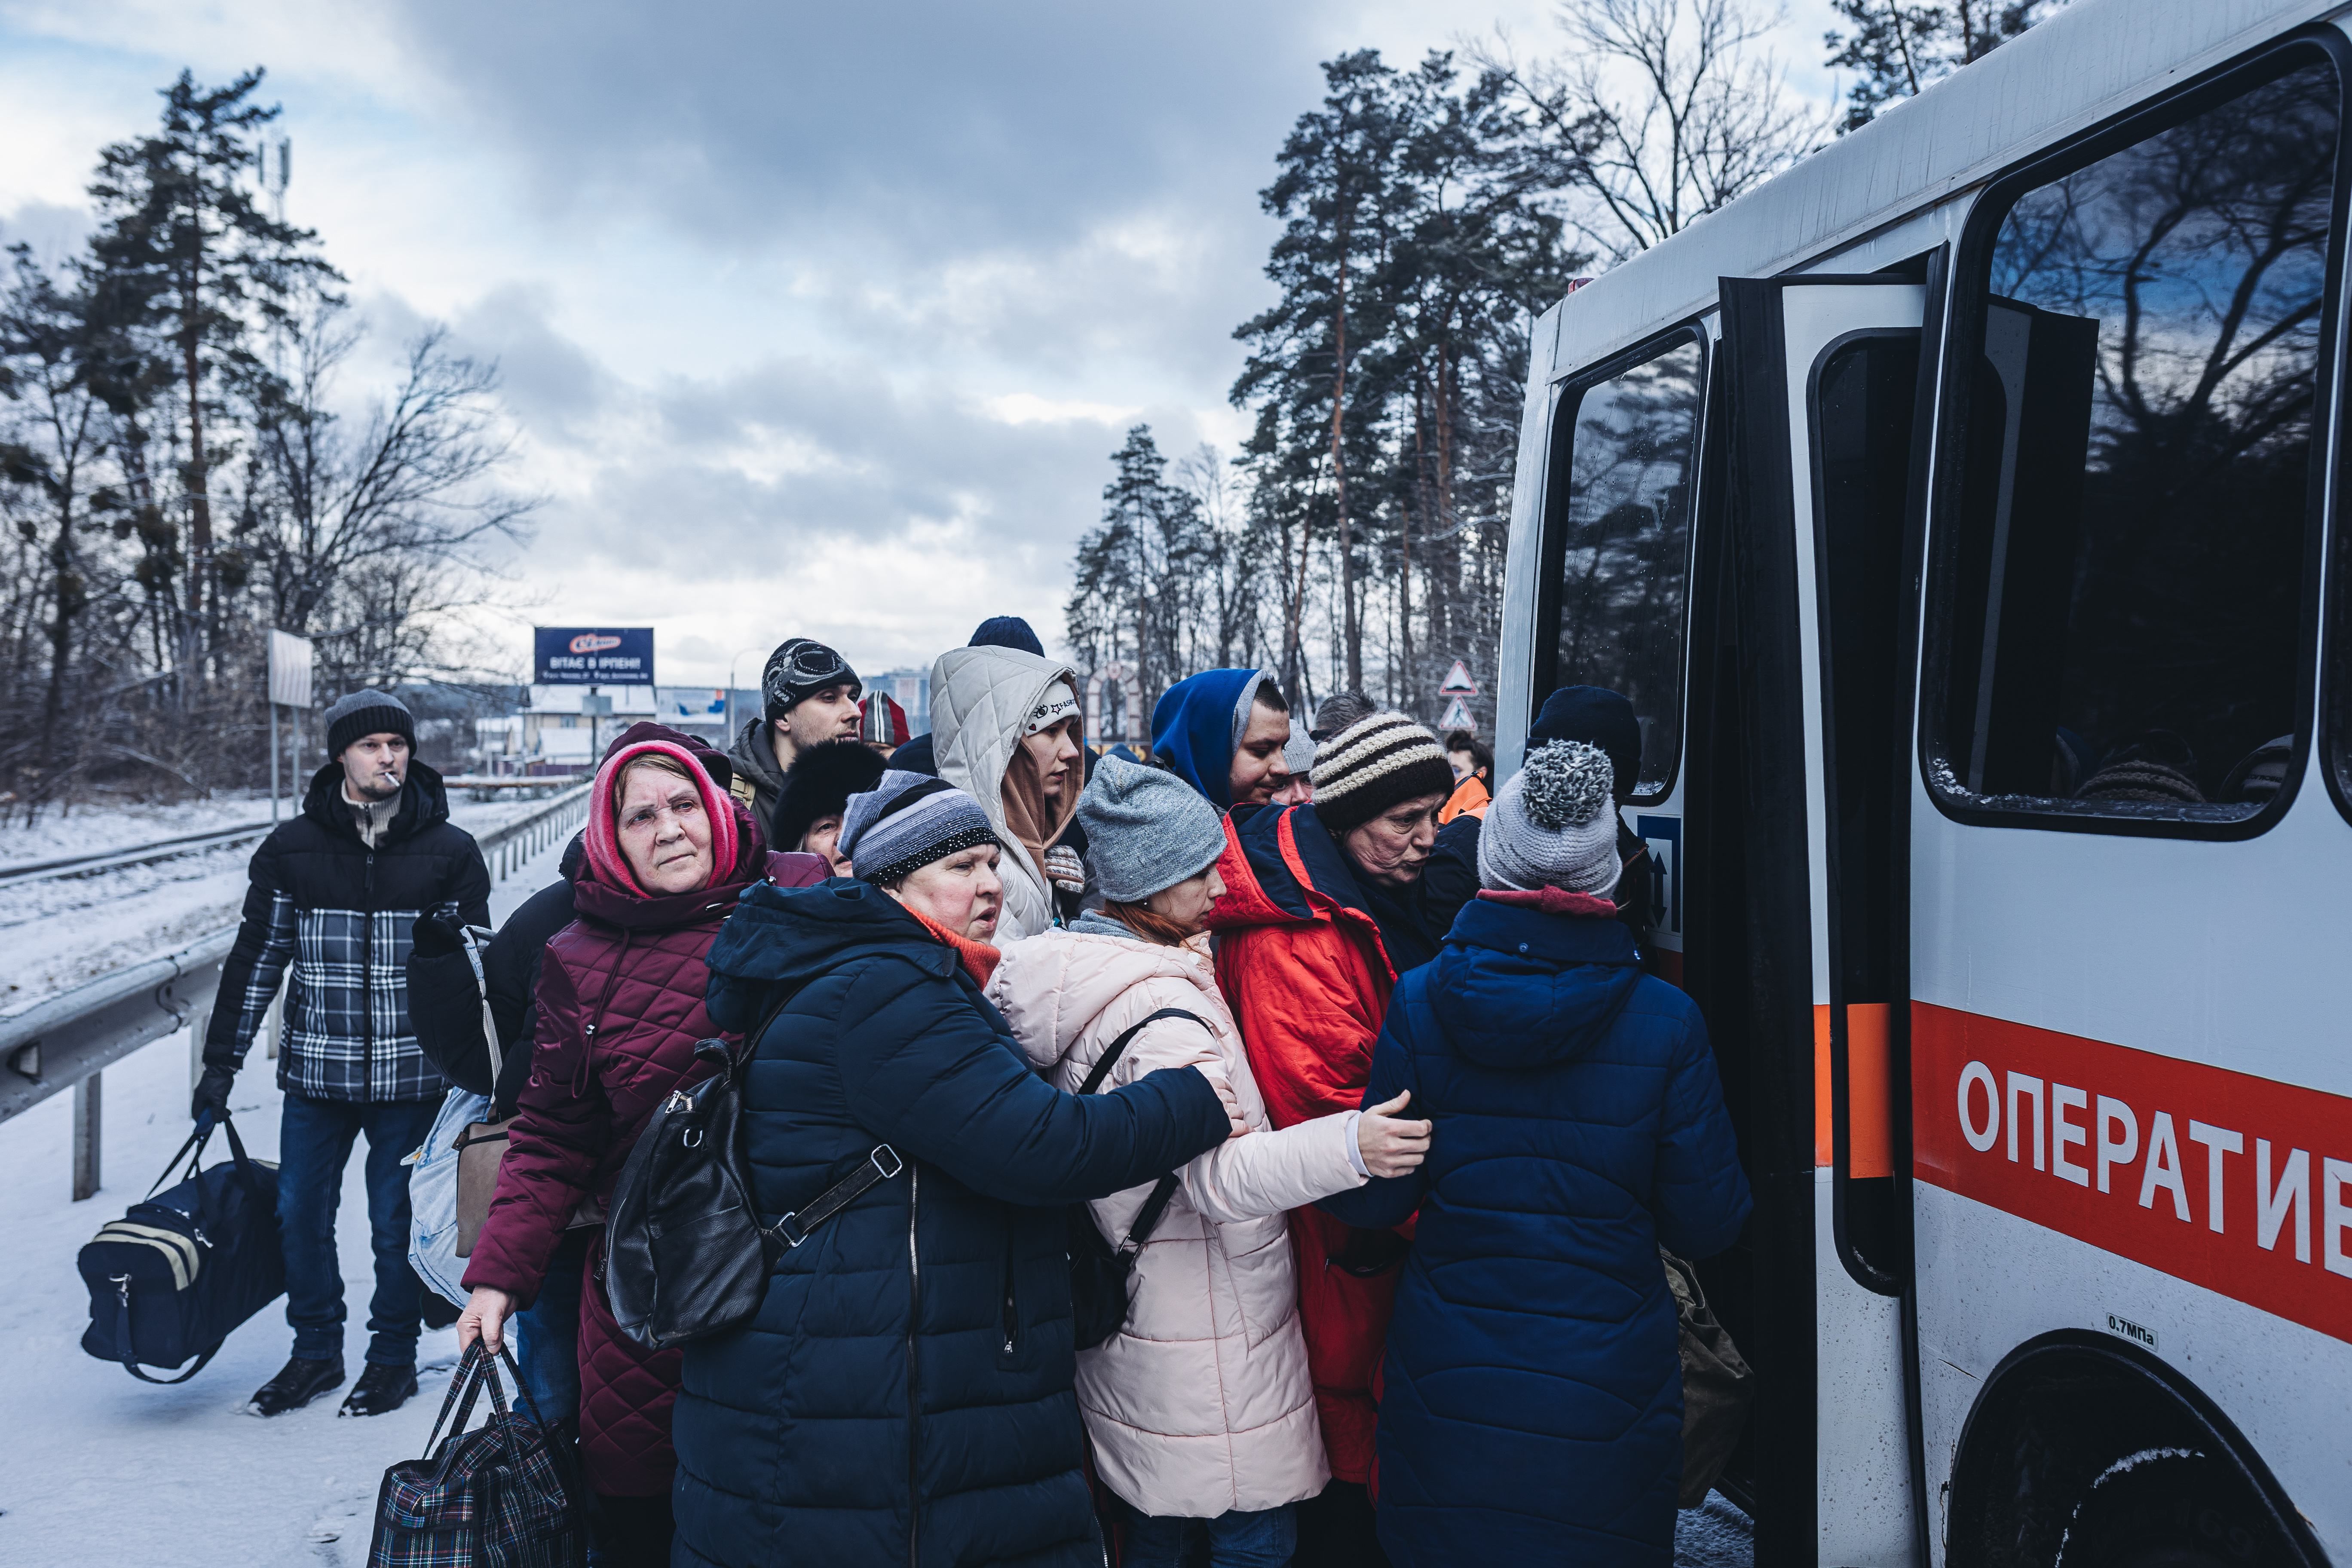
x: 905, y: 1394
x: 1532, y: 1412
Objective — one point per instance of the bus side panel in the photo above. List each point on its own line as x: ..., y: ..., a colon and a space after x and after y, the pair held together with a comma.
x: 1864, y: 1480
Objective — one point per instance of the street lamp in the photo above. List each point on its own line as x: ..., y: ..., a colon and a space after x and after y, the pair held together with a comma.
x: 731, y: 662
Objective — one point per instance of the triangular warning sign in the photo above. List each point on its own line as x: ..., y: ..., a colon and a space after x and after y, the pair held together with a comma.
x: 1458, y: 717
x: 1457, y: 681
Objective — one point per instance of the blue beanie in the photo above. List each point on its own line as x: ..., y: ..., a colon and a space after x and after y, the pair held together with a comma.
x: 908, y: 821
x: 1598, y: 717
x: 1007, y: 631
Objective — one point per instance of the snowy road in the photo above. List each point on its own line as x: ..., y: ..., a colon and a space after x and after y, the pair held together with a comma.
x: 62, y: 931
x: 100, y: 1468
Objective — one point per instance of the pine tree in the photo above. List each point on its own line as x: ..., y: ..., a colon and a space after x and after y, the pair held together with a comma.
x: 184, y: 251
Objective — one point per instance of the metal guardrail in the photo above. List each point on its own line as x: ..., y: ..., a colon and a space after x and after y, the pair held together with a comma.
x: 65, y: 1042
x: 129, y: 855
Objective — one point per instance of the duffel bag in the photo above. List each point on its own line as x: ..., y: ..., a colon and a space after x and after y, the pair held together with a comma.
x: 504, y: 1493
x: 176, y: 1274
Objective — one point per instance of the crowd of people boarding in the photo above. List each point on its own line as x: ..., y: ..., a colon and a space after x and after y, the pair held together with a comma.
x: 1343, y: 1052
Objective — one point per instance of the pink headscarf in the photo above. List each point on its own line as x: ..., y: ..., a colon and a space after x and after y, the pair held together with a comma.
x: 604, y: 827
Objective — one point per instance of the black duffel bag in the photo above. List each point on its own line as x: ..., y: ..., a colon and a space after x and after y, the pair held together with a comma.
x: 686, y: 1254
x: 178, y: 1272
x: 1102, y: 1276
x: 505, y: 1493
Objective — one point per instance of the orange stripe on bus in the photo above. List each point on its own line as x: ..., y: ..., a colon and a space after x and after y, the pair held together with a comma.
x: 1869, y: 1105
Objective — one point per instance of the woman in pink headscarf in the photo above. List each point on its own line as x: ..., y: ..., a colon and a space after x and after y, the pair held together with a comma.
x: 621, y: 1009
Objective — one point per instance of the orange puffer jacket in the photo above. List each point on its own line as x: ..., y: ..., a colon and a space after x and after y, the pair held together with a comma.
x: 1301, y: 964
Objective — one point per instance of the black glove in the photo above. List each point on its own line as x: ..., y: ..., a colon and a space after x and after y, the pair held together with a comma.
x: 438, y: 936
x: 211, y: 1091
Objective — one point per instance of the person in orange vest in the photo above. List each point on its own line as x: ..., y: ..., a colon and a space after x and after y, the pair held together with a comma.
x: 1473, y: 776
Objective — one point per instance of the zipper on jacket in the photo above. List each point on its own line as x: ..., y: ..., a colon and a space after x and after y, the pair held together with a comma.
x: 1012, y: 1308
x: 914, y: 1407
x: 367, y: 980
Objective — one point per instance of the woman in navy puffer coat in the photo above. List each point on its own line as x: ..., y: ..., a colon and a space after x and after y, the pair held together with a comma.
x: 1532, y: 1407
x: 904, y: 1394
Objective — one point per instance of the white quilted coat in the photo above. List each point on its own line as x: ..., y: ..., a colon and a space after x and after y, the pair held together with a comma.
x: 980, y: 699
x: 1203, y: 1405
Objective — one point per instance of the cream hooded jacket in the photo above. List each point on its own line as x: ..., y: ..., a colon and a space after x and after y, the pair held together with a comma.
x: 980, y: 697
x: 1203, y: 1404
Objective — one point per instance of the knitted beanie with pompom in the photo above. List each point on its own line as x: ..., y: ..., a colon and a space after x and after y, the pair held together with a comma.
x: 1552, y: 824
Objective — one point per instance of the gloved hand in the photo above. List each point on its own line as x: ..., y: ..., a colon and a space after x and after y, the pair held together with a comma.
x: 1064, y: 869
x: 212, y: 1090
x: 437, y: 935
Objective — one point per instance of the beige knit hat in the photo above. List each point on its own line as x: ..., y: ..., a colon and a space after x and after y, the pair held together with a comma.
x: 1373, y: 765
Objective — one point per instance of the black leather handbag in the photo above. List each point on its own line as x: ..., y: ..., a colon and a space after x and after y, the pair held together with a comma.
x: 686, y: 1253
x: 1102, y: 1276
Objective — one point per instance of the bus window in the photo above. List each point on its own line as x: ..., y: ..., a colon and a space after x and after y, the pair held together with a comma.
x: 1626, y: 448
x: 2123, y: 585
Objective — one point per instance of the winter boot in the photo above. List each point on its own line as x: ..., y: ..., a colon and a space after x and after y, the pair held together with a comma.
x: 297, y: 1383
x: 380, y: 1390
x: 439, y: 1310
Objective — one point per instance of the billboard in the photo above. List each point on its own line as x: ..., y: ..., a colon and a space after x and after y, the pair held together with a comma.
x: 592, y: 656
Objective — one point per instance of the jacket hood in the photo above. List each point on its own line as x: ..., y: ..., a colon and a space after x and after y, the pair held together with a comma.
x: 980, y: 699
x: 1196, y: 724
x: 734, y: 834
x: 423, y: 801
x: 1280, y: 865
x: 1521, y: 988
x: 753, y: 758
x: 1052, y: 987
x: 790, y: 936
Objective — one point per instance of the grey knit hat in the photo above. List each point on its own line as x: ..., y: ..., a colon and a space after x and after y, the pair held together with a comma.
x: 367, y: 713
x: 1374, y: 763
x: 1551, y: 824
x: 908, y: 821
x: 1146, y: 829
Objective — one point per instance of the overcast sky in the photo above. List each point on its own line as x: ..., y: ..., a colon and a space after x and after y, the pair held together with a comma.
x: 816, y: 319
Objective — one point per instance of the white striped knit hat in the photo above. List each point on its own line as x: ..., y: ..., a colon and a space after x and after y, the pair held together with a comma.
x: 1374, y: 763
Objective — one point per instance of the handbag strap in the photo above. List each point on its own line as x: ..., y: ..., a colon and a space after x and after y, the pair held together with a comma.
x: 122, y: 1338
x: 882, y: 1162
x: 1148, y: 1218
x: 475, y: 939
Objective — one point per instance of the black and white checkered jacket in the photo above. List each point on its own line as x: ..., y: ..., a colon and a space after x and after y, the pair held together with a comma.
x: 340, y: 915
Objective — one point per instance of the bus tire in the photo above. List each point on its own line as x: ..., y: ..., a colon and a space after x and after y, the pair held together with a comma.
x: 2164, y: 1509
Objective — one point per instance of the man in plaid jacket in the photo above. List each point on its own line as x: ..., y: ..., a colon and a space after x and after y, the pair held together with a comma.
x: 335, y: 894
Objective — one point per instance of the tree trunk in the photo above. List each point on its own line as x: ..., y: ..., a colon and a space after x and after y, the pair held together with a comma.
x: 1352, y: 633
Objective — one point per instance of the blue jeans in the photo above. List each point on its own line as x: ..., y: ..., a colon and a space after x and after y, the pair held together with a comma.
x: 314, y: 1142
x: 1265, y: 1538
x: 547, y: 1332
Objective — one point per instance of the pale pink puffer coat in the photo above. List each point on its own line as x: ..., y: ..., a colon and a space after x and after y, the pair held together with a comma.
x: 1203, y: 1404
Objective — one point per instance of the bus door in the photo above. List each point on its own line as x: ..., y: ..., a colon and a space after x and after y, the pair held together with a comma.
x: 1803, y: 789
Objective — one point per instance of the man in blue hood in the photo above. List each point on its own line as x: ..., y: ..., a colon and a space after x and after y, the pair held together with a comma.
x: 1222, y: 731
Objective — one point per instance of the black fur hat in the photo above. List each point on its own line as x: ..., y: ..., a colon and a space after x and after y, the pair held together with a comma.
x: 819, y: 783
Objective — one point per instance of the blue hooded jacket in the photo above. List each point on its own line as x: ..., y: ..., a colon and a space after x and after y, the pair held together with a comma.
x: 1192, y: 727
x: 1532, y: 1411
x: 904, y: 1394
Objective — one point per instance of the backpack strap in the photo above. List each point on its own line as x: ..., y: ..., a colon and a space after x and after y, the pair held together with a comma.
x: 882, y: 1162
x: 1148, y: 1218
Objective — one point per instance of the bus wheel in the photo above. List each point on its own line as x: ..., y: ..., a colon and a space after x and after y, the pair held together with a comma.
x: 2165, y: 1507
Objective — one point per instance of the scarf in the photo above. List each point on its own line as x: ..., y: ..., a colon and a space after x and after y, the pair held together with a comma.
x: 979, y: 959
x: 1553, y: 901
x: 1029, y: 816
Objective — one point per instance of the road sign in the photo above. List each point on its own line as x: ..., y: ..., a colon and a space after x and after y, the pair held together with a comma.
x: 289, y: 669
x: 592, y: 656
x: 1458, y: 682
x: 1458, y: 717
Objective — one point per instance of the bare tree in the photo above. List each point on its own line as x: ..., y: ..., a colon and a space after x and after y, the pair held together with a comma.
x: 1655, y: 113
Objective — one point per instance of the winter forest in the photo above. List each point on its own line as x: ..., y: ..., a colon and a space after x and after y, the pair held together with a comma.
x: 199, y: 442
x: 1430, y: 215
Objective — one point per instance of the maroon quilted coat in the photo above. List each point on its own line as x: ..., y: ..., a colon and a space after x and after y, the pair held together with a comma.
x: 621, y: 1009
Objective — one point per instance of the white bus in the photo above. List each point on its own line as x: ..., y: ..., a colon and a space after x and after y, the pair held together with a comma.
x: 1962, y: 512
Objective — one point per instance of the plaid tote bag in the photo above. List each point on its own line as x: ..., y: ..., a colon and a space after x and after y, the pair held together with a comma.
x: 493, y: 1497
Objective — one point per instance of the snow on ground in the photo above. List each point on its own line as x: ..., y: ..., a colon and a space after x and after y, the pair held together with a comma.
x: 58, y: 931
x: 103, y: 1468
x: 1715, y: 1535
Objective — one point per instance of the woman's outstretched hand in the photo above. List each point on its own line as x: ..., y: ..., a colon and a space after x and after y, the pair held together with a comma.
x: 1231, y: 1101
x: 484, y: 1319
x: 1392, y: 1147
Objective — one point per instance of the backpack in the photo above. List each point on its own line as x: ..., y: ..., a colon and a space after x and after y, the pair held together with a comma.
x: 1102, y: 1276
x: 177, y: 1273
x: 502, y: 1494
x: 686, y: 1255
